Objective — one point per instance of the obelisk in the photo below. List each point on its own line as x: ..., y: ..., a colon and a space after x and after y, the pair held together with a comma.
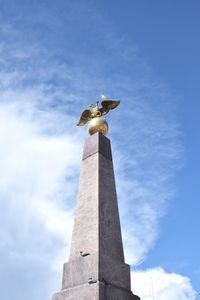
x: 96, y: 269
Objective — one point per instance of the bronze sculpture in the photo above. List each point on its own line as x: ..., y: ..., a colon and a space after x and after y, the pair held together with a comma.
x: 94, y: 113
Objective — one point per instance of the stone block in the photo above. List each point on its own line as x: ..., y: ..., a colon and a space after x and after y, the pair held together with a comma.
x: 77, y: 272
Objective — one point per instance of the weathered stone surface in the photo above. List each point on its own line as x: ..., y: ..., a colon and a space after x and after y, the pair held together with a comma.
x: 78, y: 271
x: 111, y: 292
x: 113, y: 271
x: 96, y: 231
x: 96, y: 224
x: 97, y: 143
x: 86, y: 220
x: 110, y: 240
x: 96, y: 291
x: 81, y: 292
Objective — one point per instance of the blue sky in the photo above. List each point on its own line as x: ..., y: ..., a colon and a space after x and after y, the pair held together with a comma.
x: 55, y: 59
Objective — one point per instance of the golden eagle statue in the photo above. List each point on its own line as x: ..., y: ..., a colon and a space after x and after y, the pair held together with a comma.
x: 94, y: 114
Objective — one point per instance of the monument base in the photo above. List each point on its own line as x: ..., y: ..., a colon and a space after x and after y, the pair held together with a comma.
x: 95, y: 291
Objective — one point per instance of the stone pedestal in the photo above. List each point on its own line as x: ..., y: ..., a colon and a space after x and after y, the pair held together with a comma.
x: 102, y: 274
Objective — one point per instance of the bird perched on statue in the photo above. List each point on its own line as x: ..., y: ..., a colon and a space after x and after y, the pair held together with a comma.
x: 96, y: 112
x: 91, y: 280
x: 103, y: 97
x: 83, y: 254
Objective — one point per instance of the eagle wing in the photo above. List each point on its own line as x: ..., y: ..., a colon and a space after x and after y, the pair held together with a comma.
x: 108, y: 104
x: 85, y: 117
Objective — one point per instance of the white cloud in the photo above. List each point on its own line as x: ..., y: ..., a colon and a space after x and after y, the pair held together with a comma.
x: 157, y: 284
x: 37, y: 173
x: 39, y: 177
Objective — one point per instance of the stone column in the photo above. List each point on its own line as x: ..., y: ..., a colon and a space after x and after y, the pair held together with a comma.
x: 100, y: 273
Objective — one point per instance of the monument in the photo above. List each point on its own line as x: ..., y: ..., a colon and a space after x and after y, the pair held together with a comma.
x: 96, y: 269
